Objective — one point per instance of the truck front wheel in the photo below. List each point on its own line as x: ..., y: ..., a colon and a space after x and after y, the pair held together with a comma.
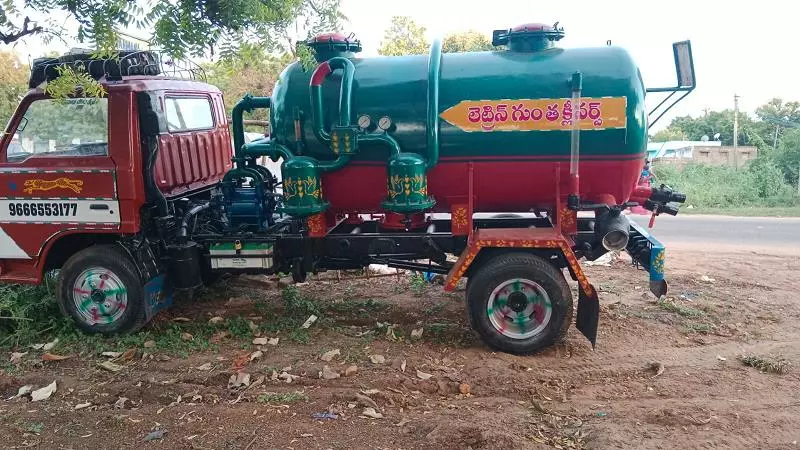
x: 519, y: 303
x: 100, y: 289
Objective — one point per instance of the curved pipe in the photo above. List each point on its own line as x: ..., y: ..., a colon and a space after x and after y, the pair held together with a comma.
x: 247, y: 103
x: 394, y: 146
x: 188, y: 216
x: 345, y: 95
x: 432, y: 131
x: 266, y: 148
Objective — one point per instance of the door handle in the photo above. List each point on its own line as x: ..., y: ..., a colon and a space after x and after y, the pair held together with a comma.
x: 98, y: 206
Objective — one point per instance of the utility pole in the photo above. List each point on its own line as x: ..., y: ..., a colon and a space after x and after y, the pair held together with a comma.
x: 735, y: 131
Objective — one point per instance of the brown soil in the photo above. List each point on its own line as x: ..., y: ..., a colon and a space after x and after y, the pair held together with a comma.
x: 568, y: 397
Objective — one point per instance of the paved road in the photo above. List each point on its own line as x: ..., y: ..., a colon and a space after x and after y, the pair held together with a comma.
x: 745, y: 233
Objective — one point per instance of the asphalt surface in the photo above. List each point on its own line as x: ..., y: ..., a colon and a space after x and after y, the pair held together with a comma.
x: 730, y: 233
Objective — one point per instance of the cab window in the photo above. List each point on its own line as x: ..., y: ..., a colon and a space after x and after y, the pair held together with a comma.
x: 189, y: 114
x: 61, y: 128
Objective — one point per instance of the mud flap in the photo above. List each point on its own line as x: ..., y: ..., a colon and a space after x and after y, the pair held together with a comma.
x: 588, y: 314
x: 157, y: 296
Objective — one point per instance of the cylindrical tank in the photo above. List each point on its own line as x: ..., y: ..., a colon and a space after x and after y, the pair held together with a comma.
x: 504, y: 113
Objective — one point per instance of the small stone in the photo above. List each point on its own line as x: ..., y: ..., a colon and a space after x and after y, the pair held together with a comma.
x: 399, y: 364
x: 371, y: 413
x: 216, y: 320
x: 273, y: 341
x: 204, y: 367
x: 350, y: 371
x: 464, y: 388
x: 82, y: 405
x: 377, y: 359
x: 162, y: 358
x: 422, y: 375
x: 238, y: 302
x: 260, y: 341
x: 150, y: 344
x: 238, y: 380
x: 328, y: 373
x: 416, y: 334
x: 328, y: 356
x: 111, y: 354
x: 255, y: 355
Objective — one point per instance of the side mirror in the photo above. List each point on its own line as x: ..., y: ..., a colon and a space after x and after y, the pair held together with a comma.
x: 22, y: 124
x: 684, y: 64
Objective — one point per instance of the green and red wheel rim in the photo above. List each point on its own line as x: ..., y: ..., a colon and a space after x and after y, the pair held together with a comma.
x: 519, y: 308
x: 100, y: 296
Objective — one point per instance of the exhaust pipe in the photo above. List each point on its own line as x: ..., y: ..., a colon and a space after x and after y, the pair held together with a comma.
x: 612, y: 229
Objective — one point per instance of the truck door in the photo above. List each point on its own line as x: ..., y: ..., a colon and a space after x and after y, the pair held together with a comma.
x: 56, y: 174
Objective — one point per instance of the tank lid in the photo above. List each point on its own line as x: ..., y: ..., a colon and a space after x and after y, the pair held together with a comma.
x: 334, y: 42
x: 528, y: 37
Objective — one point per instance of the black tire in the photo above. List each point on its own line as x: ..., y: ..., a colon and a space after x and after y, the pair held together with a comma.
x: 122, y: 277
x: 501, y: 269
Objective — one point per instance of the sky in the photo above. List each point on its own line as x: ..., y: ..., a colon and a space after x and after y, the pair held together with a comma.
x: 748, y: 49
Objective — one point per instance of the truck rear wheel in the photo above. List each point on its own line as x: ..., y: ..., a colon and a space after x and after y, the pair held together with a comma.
x: 519, y: 303
x: 100, y: 289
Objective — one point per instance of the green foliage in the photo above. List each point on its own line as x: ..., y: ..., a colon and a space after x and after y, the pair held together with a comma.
x: 404, y: 37
x: 759, y: 184
x: 13, y: 84
x: 73, y: 82
x: 467, y: 41
x: 788, y: 157
x: 669, y: 134
x: 26, y: 312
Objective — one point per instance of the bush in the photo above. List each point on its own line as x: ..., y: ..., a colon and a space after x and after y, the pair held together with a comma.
x: 26, y: 312
x: 761, y: 183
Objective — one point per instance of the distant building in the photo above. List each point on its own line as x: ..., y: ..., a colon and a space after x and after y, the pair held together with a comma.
x: 713, y: 153
x: 131, y: 43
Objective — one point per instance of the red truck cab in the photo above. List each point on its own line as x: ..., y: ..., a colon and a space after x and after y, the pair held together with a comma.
x: 74, y: 173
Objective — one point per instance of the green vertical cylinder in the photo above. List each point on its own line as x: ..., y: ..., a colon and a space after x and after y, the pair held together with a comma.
x: 407, y: 187
x: 302, y: 187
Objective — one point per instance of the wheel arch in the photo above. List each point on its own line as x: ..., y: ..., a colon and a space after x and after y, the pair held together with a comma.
x: 63, y: 245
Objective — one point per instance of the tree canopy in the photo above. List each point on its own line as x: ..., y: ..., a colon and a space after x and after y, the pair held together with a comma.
x: 404, y: 37
x: 466, y: 41
x: 185, y: 28
x: 13, y: 84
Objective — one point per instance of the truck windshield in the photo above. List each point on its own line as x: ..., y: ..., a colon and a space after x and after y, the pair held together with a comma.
x: 72, y: 127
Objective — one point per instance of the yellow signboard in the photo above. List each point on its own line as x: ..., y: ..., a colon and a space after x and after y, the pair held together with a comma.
x: 537, y: 114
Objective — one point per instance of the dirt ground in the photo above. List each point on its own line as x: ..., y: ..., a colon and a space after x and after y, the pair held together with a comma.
x: 664, y: 374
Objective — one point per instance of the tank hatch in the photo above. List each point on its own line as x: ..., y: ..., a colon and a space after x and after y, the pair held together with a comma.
x: 330, y: 45
x: 529, y: 37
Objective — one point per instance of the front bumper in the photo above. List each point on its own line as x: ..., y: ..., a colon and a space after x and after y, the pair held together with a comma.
x: 648, y: 253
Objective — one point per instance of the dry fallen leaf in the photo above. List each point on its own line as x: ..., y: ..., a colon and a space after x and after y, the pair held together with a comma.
x: 49, y: 346
x: 43, y: 393
x: 206, y: 366
x: 111, y: 354
x: 16, y: 356
x: 423, y: 375
x: 110, y: 366
x: 187, y: 337
x: 82, y: 405
x: 181, y: 319
x: 329, y: 355
x: 53, y: 357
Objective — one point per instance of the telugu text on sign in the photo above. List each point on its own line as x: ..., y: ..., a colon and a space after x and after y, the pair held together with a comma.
x: 536, y: 114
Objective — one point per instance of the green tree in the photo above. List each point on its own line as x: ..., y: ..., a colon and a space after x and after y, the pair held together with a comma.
x: 404, y: 37
x: 467, y: 41
x: 788, y: 157
x: 776, y: 116
x: 181, y: 28
x: 13, y: 84
x: 671, y: 133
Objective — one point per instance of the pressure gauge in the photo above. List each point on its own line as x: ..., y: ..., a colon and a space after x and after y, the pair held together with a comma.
x: 364, y: 122
x: 385, y: 123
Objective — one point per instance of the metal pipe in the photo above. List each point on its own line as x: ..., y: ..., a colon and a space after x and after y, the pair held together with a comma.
x: 394, y: 146
x: 577, y: 86
x: 262, y: 148
x: 432, y: 125
x: 345, y: 95
x: 247, y: 103
x: 188, y: 216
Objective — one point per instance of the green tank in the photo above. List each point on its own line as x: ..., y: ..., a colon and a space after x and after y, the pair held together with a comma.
x: 397, y: 90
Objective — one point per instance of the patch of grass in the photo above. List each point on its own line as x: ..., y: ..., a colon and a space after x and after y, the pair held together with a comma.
x: 418, y: 285
x: 28, y: 312
x: 684, y: 311
x: 300, y: 336
x: 703, y: 328
x: 297, y: 305
x: 434, y: 309
x: 283, y: 398
x: 239, y: 328
x: 767, y: 364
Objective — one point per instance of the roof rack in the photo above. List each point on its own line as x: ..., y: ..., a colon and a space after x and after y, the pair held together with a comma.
x: 124, y: 63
